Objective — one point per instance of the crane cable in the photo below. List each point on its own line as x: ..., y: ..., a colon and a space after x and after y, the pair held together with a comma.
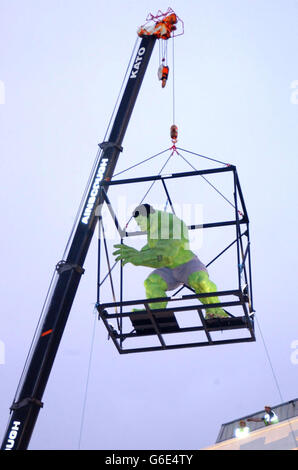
x: 162, y: 56
x: 173, y: 88
x: 275, y: 378
x: 87, y: 379
x: 99, y: 153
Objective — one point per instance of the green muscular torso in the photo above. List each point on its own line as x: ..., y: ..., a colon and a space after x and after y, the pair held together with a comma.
x: 167, y: 243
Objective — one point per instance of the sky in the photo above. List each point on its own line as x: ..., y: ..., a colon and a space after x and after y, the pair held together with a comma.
x: 235, y: 82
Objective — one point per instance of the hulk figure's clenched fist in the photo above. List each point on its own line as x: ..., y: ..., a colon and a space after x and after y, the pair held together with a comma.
x: 126, y: 254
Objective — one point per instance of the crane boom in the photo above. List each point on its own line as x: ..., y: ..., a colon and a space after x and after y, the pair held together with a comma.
x: 28, y: 401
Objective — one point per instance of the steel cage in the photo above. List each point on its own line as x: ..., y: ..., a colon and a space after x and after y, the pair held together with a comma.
x: 160, y: 324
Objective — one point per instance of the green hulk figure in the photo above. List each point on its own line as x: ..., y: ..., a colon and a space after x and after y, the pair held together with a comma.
x: 167, y: 250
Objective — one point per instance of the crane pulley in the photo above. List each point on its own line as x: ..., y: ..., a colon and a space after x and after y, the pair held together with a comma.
x: 163, y: 73
x: 162, y: 26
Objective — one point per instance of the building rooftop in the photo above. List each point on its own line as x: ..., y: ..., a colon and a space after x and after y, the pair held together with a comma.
x: 284, y: 411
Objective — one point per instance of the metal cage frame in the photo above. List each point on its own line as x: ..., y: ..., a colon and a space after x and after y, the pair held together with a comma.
x: 162, y: 322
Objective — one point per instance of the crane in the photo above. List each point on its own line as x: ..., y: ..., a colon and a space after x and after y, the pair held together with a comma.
x: 28, y: 401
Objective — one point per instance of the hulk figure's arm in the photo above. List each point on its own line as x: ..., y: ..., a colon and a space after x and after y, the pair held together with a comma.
x: 162, y: 254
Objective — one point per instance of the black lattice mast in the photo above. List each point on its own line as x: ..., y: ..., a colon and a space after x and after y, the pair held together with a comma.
x: 28, y: 399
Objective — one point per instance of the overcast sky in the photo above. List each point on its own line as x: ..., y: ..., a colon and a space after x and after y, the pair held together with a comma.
x: 236, y: 99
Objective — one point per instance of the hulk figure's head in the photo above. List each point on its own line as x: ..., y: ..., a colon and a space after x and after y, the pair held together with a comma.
x: 141, y: 215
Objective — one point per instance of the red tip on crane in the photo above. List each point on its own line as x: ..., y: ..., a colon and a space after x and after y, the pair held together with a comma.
x: 161, y: 25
